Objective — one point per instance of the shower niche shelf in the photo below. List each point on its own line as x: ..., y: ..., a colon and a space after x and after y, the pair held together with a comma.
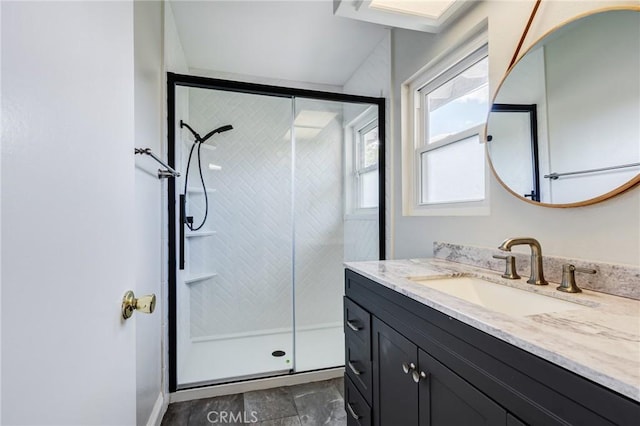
x: 199, y: 277
x: 200, y: 234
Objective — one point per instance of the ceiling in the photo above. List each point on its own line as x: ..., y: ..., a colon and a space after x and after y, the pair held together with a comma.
x: 292, y: 40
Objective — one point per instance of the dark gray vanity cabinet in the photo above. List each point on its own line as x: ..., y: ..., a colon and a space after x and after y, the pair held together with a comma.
x: 408, y: 364
x: 413, y: 388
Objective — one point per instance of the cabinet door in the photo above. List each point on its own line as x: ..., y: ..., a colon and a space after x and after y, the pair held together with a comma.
x: 446, y: 399
x: 395, y: 394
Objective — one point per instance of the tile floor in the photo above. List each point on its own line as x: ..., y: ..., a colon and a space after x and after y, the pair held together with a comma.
x: 309, y: 404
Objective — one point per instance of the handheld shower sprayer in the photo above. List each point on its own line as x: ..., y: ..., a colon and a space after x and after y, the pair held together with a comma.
x: 220, y: 129
x: 199, y: 140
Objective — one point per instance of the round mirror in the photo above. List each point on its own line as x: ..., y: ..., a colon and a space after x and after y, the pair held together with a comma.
x: 564, y: 128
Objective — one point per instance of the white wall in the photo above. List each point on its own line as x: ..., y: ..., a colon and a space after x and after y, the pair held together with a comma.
x: 608, y: 231
x: 67, y: 213
x: 149, y: 190
x: 174, y: 58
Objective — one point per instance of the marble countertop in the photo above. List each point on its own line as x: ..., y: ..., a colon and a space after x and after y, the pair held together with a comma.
x: 599, y: 340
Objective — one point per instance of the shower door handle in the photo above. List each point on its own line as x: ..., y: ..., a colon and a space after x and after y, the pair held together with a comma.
x: 182, y: 220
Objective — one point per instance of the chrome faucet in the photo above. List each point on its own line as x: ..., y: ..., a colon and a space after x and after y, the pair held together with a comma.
x: 537, y: 275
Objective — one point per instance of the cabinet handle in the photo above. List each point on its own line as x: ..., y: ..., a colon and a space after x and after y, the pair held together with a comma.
x: 353, y: 326
x: 354, y: 369
x: 352, y: 413
x: 419, y: 376
x: 408, y: 368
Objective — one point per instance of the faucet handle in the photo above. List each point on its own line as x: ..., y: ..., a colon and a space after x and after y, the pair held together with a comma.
x: 568, y: 284
x: 510, y: 267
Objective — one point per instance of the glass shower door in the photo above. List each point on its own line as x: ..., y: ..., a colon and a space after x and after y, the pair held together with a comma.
x: 234, y: 295
x: 335, y: 219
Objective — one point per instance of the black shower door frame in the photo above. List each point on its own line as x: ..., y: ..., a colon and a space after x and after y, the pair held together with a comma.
x: 174, y: 80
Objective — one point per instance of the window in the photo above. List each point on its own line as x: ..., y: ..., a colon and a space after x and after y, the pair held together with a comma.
x: 453, y: 173
x: 451, y: 156
x: 445, y: 108
x: 362, y: 160
x: 366, y: 167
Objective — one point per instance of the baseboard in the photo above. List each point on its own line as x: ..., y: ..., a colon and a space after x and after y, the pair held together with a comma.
x: 257, y: 384
x: 159, y: 408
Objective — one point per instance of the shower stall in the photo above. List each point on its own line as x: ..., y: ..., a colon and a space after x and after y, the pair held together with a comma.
x: 289, y: 187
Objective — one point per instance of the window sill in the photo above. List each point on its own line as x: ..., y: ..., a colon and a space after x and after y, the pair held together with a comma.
x: 480, y: 208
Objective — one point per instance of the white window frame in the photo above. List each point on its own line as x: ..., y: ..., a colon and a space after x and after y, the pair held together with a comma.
x: 353, y: 131
x: 359, y: 168
x: 437, y: 72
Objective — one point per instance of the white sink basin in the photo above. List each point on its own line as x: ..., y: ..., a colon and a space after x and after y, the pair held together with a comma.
x: 496, y: 297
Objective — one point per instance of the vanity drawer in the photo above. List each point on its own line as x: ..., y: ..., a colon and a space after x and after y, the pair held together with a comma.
x: 357, y: 333
x: 357, y: 408
x: 357, y: 322
x: 358, y: 366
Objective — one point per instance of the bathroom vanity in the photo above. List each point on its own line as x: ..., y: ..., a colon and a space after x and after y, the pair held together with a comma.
x: 416, y: 355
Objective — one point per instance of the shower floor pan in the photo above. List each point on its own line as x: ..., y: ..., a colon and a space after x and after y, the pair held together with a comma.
x: 228, y: 360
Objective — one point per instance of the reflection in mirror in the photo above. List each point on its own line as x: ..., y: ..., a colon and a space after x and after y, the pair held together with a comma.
x: 565, y: 127
x: 517, y: 122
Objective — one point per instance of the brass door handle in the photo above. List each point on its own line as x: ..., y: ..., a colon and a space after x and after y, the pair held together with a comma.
x: 146, y: 304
